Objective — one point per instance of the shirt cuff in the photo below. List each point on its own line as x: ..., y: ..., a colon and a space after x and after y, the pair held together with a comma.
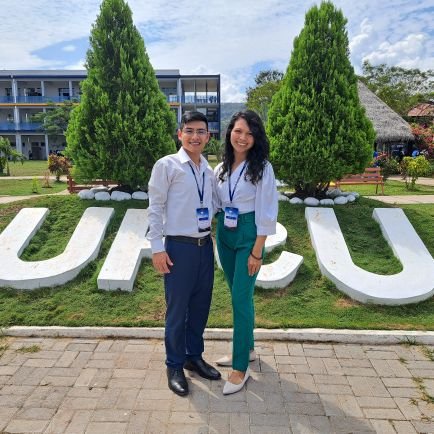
x: 266, y: 230
x: 157, y: 246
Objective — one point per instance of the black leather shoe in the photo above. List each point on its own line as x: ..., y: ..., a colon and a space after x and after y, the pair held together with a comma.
x: 203, y: 369
x: 177, y: 381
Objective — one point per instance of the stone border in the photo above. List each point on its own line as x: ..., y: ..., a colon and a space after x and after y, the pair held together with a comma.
x: 370, y: 337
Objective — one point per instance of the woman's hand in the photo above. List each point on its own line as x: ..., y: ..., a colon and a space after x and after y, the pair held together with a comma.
x: 253, y: 265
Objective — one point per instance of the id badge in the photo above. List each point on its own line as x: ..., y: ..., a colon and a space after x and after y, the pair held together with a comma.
x: 231, y: 218
x: 203, y: 221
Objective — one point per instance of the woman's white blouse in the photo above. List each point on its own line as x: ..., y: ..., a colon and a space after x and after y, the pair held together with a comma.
x: 260, y: 198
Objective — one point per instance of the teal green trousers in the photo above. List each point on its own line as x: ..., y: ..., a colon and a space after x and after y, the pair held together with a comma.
x: 234, y: 248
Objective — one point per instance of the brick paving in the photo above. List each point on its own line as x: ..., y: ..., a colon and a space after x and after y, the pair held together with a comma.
x: 71, y: 385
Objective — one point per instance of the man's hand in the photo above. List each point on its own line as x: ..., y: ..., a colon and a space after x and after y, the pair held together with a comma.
x: 161, y: 262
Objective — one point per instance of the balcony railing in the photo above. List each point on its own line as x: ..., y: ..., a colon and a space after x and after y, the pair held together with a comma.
x: 200, y: 99
x: 23, y: 126
x: 38, y: 99
x: 172, y: 98
x: 6, y: 99
x: 7, y: 126
x: 214, y: 126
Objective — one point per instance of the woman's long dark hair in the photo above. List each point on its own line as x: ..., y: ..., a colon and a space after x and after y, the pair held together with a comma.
x: 257, y: 155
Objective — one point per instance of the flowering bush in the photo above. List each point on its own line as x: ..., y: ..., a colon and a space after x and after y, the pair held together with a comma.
x: 424, y: 136
x: 58, y: 165
x: 389, y: 165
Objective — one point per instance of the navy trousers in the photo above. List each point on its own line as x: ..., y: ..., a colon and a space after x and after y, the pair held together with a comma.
x: 188, y: 290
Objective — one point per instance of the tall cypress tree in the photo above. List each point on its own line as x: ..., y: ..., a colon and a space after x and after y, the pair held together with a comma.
x: 317, y: 128
x: 123, y: 123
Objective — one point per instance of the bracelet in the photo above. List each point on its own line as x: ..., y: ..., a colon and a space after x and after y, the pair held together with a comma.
x: 255, y: 257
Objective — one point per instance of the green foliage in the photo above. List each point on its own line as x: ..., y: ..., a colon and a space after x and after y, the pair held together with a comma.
x: 35, y: 185
x: 58, y: 165
x: 7, y: 153
x: 260, y: 96
x: 389, y: 165
x: 123, y: 123
x: 399, y: 88
x: 55, y: 120
x: 412, y: 168
x: 214, y: 147
x: 317, y: 127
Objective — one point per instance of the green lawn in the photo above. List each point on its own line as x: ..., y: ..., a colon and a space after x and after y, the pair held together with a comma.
x: 29, y: 168
x: 24, y: 187
x: 310, y: 301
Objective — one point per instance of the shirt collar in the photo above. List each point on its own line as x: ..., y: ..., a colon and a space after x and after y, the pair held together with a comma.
x: 185, y: 158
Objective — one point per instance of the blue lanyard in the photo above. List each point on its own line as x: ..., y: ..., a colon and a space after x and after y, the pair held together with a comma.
x: 197, y: 183
x: 232, y: 193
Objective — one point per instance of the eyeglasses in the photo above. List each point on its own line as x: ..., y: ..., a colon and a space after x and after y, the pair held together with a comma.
x: 190, y: 132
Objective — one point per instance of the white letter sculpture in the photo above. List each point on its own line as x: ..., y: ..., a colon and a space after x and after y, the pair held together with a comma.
x: 281, y: 272
x: 82, y: 248
x: 129, y: 247
x: 414, y: 283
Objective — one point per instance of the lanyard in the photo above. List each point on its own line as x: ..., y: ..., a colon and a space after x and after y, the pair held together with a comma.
x: 197, y: 184
x: 232, y: 193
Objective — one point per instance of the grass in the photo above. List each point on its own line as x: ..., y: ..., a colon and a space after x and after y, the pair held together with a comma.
x: 29, y: 349
x: 29, y: 168
x: 310, y: 301
x: 24, y: 187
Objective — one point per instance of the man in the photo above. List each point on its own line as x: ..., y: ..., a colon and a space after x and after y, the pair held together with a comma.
x: 180, y: 208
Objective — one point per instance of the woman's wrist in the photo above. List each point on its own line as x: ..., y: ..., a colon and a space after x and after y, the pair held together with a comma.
x: 258, y: 258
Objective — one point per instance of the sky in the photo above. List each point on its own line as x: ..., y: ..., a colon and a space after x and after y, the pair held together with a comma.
x: 233, y: 38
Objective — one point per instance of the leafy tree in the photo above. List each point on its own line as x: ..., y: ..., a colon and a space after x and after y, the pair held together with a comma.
x: 123, y: 123
x: 317, y: 127
x: 7, y: 153
x: 55, y: 120
x: 400, y: 88
x: 259, y: 97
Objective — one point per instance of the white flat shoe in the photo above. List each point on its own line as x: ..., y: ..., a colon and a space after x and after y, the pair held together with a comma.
x: 234, y: 388
x: 227, y: 360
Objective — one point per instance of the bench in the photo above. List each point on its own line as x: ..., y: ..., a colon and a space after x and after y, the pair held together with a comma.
x: 73, y: 187
x: 371, y: 175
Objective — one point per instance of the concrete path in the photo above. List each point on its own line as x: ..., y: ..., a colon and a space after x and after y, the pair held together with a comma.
x: 405, y: 200
x: 422, y: 180
x: 71, y: 385
x: 10, y: 199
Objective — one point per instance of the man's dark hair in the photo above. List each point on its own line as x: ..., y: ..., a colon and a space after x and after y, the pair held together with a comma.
x: 193, y: 116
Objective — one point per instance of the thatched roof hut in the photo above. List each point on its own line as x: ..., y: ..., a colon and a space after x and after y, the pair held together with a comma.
x: 390, y: 128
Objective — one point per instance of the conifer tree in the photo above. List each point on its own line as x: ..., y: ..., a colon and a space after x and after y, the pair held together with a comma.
x: 317, y: 128
x: 123, y: 123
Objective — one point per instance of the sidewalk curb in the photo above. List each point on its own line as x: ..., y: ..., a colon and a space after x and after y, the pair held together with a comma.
x: 372, y: 337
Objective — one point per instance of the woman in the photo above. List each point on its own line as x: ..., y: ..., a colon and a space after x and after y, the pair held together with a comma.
x: 247, y: 195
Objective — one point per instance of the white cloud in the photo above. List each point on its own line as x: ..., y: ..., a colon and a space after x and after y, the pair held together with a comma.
x: 219, y: 36
x: 69, y: 48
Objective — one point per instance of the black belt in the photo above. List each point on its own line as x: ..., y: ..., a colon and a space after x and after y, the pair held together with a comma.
x: 192, y: 240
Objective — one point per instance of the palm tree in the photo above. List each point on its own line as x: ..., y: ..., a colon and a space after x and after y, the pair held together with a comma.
x: 7, y: 153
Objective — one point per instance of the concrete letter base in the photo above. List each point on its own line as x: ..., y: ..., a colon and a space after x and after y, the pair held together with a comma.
x: 129, y: 247
x: 82, y: 248
x: 413, y: 284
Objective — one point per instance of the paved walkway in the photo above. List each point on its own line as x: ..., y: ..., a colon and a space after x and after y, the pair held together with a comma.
x: 422, y: 180
x: 70, y: 385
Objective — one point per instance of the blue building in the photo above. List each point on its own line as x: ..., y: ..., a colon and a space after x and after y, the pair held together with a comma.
x: 24, y: 93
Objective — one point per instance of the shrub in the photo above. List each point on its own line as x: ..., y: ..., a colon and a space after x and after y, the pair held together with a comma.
x: 215, y: 147
x: 389, y: 166
x: 412, y: 168
x: 58, y: 165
